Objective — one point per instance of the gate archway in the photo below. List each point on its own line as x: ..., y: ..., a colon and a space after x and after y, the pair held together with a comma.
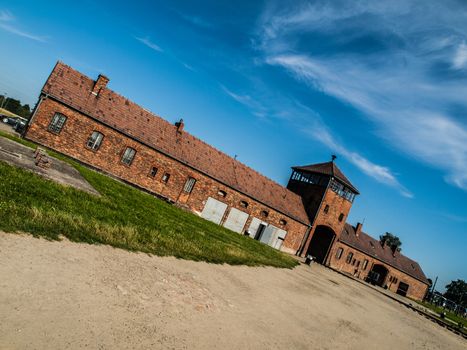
x: 377, y: 275
x: 321, y: 243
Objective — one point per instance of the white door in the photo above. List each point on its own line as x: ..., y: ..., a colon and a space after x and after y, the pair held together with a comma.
x: 278, y: 238
x: 267, y: 235
x: 236, y: 220
x: 214, y: 210
x: 254, y: 226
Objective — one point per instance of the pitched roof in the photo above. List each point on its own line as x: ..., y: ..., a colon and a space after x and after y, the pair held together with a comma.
x: 330, y: 169
x: 74, y: 89
x: 373, y: 248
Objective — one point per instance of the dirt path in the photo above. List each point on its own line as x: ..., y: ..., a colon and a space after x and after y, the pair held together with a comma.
x: 62, y: 295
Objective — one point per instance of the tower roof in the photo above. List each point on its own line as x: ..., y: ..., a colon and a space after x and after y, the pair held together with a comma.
x: 330, y: 169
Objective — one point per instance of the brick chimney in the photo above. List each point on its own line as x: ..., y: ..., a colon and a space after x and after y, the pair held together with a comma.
x: 100, y: 84
x: 358, y: 228
x: 180, y: 125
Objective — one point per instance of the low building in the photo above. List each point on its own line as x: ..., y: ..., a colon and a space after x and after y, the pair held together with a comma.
x: 83, y: 119
x: 364, y: 257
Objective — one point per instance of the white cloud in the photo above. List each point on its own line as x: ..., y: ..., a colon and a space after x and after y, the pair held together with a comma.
x: 460, y: 57
x: 397, y: 89
x: 6, y: 23
x: 146, y: 41
x: 378, y: 172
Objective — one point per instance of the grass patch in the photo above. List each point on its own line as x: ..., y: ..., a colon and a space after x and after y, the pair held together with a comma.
x: 122, y: 217
x: 450, y: 316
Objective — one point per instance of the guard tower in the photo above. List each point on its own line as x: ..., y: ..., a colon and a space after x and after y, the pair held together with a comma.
x: 327, y: 196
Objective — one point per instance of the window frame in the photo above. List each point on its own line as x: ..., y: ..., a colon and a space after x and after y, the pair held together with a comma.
x: 151, y: 174
x: 124, y: 157
x: 54, y: 125
x: 93, y: 148
x: 189, y: 184
x: 339, y: 253
x: 348, y: 260
x: 365, y: 264
x: 165, y: 178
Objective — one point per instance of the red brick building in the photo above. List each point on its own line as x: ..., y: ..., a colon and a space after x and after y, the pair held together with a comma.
x: 364, y: 257
x: 82, y: 118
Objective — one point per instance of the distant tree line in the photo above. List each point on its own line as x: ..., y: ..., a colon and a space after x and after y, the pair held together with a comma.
x: 15, y: 106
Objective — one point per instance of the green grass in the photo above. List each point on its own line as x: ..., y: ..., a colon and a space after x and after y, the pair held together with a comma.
x: 449, y: 314
x: 122, y: 217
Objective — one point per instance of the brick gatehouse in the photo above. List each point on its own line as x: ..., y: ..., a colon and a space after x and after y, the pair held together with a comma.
x: 82, y: 118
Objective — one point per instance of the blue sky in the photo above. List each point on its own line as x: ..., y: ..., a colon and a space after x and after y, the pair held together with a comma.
x: 381, y: 84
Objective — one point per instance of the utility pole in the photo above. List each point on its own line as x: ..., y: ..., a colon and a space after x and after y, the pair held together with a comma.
x: 433, y: 288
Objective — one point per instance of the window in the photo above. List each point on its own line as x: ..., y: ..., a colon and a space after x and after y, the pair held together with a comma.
x: 326, y: 209
x: 353, y: 261
x: 365, y: 264
x: 222, y: 193
x: 95, y: 140
x: 153, y: 172
x: 243, y: 204
x: 358, y: 263
x: 128, y: 156
x: 165, y: 178
x: 339, y: 253
x: 57, y: 123
x: 282, y: 222
x: 264, y: 214
x: 349, y: 258
x: 341, y: 217
x: 189, y: 184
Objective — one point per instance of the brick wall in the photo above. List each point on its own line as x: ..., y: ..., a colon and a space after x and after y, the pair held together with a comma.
x: 355, y: 267
x: 337, y: 206
x: 72, y: 141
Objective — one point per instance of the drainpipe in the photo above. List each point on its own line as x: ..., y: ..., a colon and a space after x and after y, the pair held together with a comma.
x: 307, y: 234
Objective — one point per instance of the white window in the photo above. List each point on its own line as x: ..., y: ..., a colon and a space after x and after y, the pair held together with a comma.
x: 128, y: 156
x: 57, y: 123
x: 165, y: 178
x: 189, y: 184
x: 95, y: 140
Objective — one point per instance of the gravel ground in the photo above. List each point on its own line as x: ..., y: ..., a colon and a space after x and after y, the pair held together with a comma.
x: 64, y: 295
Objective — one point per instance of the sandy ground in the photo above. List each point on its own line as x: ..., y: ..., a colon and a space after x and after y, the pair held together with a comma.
x: 63, y: 295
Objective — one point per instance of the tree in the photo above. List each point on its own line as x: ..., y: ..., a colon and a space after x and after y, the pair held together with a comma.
x: 15, y: 106
x: 457, y: 292
x: 391, y: 240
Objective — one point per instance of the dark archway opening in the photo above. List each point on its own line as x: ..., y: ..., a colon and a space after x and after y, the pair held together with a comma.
x: 377, y: 275
x: 320, y: 243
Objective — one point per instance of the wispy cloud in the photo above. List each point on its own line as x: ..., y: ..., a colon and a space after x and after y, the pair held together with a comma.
x: 456, y: 218
x: 460, y: 57
x: 197, y: 21
x: 146, y: 41
x: 380, y: 173
x: 398, y: 88
x: 255, y: 107
x: 7, y: 23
